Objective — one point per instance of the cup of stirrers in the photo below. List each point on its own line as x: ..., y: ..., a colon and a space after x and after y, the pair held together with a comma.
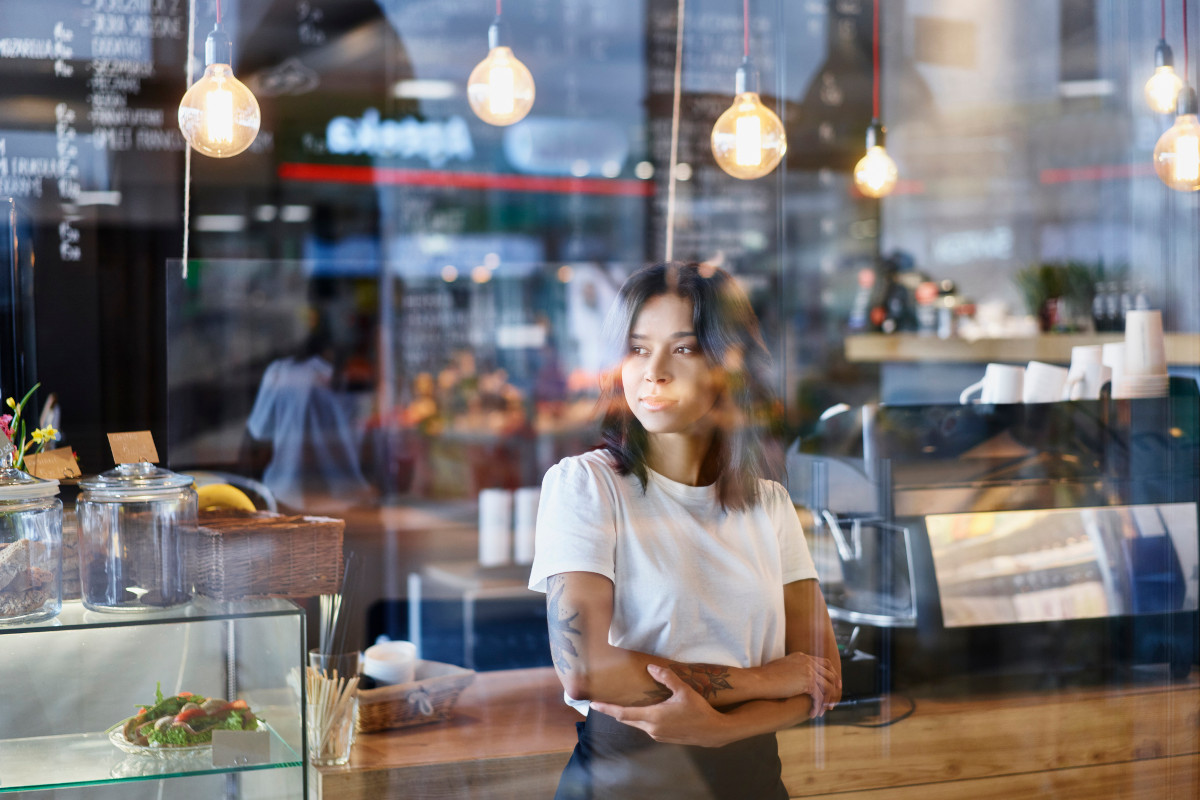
x: 331, y: 685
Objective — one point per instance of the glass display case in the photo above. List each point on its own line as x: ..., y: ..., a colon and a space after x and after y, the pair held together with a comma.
x: 71, y: 679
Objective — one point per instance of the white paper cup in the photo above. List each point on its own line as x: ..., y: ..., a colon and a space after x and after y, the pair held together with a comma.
x: 525, y: 508
x: 391, y: 662
x: 1043, y: 382
x: 495, y: 527
x: 1145, y: 352
x: 1001, y: 383
x: 1114, y: 359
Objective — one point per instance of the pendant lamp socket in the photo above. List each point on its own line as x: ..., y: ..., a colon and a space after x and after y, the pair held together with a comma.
x: 1186, y: 104
x: 1163, y: 57
x: 876, y: 134
x: 498, y: 34
x: 746, y: 77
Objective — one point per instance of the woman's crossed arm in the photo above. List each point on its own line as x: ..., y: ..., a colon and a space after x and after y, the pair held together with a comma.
x: 579, y: 611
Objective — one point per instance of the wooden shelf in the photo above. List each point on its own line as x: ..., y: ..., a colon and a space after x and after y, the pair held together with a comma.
x: 1183, y: 349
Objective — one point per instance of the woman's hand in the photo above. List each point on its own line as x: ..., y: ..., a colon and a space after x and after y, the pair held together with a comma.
x: 683, y: 718
x: 800, y: 673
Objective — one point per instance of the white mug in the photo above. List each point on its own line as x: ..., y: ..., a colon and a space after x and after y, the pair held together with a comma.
x: 391, y: 662
x: 1001, y: 383
x: 1081, y: 358
x: 1043, y: 382
x: 1095, y: 376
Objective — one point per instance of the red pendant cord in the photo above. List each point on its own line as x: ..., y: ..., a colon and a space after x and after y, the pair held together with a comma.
x: 218, y: 12
x: 746, y: 28
x: 499, y: 1
x: 1163, y: 17
x: 1185, y: 42
x: 875, y: 59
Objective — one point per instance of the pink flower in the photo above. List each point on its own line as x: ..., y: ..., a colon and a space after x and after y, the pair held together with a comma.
x: 6, y: 425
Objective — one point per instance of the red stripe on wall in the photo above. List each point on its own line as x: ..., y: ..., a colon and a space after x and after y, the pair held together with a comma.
x: 1098, y: 172
x: 392, y: 176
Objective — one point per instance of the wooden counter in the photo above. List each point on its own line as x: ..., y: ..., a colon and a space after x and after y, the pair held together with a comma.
x: 1182, y: 349
x: 512, y: 736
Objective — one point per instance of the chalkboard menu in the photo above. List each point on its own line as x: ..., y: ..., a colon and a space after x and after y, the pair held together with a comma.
x: 91, y: 157
x: 86, y: 92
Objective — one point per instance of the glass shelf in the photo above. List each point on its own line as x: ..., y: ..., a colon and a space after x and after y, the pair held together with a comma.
x: 75, y: 617
x: 90, y: 759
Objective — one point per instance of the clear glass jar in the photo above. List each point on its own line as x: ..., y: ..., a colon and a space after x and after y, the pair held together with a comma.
x: 30, y: 547
x: 137, y: 534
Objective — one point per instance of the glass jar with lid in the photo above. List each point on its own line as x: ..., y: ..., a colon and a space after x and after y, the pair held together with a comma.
x: 30, y: 547
x: 137, y: 532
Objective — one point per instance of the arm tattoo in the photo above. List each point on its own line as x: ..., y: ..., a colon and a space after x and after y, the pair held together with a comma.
x: 654, y: 696
x: 561, y: 646
x: 705, y: 679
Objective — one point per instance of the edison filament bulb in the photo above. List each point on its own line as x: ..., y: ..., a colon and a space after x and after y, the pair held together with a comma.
x: 748, y: 140
x: 875, y: 174
x: 1177, y: 154
x: 1162, y: 90
x: 218, y: 115
x: 500, y: 89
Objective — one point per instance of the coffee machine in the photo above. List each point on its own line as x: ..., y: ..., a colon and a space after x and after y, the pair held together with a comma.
x: 1050, y: 539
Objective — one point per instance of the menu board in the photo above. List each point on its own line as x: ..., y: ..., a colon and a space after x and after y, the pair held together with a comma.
x: 78, y: 73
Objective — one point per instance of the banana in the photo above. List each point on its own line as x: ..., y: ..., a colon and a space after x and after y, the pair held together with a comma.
x: 222, y: 495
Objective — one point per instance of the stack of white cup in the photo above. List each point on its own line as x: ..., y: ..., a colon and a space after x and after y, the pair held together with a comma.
x: 507, y: 521
x: 1144, y: 367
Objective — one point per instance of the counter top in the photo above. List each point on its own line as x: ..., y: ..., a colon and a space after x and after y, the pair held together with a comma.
x: 511, y: 736
x: 1183, y: 349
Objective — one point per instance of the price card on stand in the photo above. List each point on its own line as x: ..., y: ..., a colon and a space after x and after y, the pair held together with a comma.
x: 132, y: 447
x: 53, y: 465
x: 240, y: 748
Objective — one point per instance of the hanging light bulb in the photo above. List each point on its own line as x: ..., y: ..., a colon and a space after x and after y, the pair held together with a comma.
x: 1177, y: 154
x: 875, y: 174
x: 218, y: 115
x: 1162, y: 90
x: 500, y: 89
x: 748, y: 140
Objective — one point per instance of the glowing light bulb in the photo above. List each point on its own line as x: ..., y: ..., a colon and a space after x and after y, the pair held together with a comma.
x: 1177, y: 154
x: 748, y: 140
x: 875, y: 174
x: 218, y: 115
x: 1162, y: 90
x: 500, y: 89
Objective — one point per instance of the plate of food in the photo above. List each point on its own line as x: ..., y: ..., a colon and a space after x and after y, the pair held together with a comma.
x: 180, y: 725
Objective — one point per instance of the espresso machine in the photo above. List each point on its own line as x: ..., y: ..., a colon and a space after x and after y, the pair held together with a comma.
x: 991, y: 540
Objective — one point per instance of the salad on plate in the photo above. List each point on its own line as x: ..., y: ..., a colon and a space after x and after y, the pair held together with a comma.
x: 183, y: 720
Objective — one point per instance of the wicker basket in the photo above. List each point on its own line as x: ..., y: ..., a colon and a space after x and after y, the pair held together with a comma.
x: 429, y: 698
x: 242, y: 554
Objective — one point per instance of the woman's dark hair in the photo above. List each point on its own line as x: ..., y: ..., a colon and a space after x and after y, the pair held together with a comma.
x: 727, y: 330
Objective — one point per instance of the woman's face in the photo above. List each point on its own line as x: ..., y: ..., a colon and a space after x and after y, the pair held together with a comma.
x: 669, y: 384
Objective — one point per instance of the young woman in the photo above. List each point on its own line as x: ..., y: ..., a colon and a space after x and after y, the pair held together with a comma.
x: 685, y: 618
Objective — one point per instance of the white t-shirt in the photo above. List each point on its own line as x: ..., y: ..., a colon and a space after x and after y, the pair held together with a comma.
x: 691, y: 581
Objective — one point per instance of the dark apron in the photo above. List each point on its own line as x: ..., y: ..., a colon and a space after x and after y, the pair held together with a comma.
x: 619, y: 762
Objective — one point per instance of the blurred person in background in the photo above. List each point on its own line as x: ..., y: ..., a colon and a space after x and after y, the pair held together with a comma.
x: 684, y: 614
x: 302, y: 431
